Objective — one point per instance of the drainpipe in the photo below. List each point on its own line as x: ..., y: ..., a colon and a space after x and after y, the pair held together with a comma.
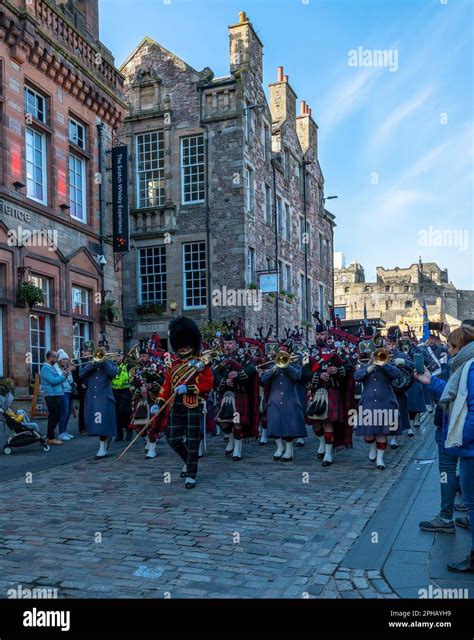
x: 306, y: 291
x: 207, y: 209
x: 277, y: 297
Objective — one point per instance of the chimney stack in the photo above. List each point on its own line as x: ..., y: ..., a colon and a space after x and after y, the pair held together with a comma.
x: 246, y: 49
x: 282, y: 99
x: 307, y: 131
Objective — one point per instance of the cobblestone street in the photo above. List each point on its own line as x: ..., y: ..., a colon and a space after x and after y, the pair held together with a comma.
x: 255, y: 528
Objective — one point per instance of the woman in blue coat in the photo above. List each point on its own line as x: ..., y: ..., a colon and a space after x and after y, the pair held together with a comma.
x: 285, y: 408
x: 377, y: 415
x: 456, y: 398
x: 99, y: 402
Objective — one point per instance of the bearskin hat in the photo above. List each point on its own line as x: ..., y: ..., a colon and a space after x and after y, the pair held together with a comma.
x: 184, y: 332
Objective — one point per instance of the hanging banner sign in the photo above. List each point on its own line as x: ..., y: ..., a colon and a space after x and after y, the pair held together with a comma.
x: 120, y: 211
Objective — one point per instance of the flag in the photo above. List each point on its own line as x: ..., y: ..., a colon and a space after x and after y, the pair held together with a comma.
x: 366, y: 322
x: 426, y: 323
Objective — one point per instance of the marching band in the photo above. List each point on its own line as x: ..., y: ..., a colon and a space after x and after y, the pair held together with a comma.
x: 264, y: 388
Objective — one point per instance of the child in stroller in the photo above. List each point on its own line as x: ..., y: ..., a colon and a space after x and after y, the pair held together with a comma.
x: 23, y: 432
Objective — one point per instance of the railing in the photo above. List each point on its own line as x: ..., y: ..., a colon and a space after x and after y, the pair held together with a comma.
x: 68, y: 36
x: 152, y: 221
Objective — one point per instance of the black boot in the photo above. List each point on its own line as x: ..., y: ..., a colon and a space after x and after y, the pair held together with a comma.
x: 465, y: 566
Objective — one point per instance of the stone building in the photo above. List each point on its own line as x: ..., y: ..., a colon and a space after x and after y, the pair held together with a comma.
x: 215, y: 166
x: 398, y: 294
x: 59, y: 104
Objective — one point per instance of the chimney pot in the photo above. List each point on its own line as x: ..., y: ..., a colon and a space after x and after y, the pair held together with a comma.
x: 285, y: 78
x: 242, y: 17
x: 302, y: 107
x: 280, y: 74
x: 309, y: 111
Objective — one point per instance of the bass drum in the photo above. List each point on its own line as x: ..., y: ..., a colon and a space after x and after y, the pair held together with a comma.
x: 404, y: 380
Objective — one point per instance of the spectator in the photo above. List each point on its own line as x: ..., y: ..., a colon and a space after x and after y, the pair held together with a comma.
x: 52, y: 383
x: 456, y: 398
x: 64, y: 367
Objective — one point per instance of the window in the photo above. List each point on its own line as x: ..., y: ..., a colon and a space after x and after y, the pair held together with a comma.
x: 152, y: 285
x: 40, y: 340
x: 36, y: 165
x: 302, y: 295
x: 268, y: 264
x: 287, y: 281
x: 194, y: 273
x: 266, y: 142
x: 80, y: 301
x: 77, y: 133
x: 278, y: 215
x: 268, y: 204
x: 77, y: 187
x: 280, y: 276
x: 80, y: 333
x: 321, y: 248
x: 285, y: 221
x: 45, y: 285
x: 286, y: 164
x: 321, y: 300
x: 150, y: 169
x: 340, y: 312
x: 35, y: 104
x: 308, y: 237
x: 251, y: 266
x: 248, y: 189
x: 248, y: 117
x: 408, y: 304
x: 301, y: 233
x: 192, y: 169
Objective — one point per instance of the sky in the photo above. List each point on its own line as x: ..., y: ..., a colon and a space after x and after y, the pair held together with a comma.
x: 395, y: 134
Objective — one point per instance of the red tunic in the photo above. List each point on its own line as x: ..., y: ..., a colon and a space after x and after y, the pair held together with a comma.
x: 199, y: 384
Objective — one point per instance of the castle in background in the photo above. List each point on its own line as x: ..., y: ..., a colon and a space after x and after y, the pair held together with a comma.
x: 398, y: 294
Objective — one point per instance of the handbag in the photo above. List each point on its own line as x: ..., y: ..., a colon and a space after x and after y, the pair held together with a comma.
x: 319, y: 405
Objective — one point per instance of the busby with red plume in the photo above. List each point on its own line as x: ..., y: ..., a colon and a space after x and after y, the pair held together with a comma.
x: 184, y: 332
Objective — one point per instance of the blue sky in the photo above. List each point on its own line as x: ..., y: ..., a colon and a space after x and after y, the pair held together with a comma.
x: 402, y: 171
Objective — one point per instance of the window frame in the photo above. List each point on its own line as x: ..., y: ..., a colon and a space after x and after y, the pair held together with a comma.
x: 201, y: 185
x: 78, y: 125
x: 83, y: 163
x: 185, y: 271
x: 160, y: 198
x: 82, y: 311
x: 161, y: 276
x: 37, y: 95
x: 44, y: 160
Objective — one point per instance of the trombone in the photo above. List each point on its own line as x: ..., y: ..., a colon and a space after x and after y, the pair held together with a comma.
x: 381, y: 356
x: 282, y: 360
x: 100, y: 355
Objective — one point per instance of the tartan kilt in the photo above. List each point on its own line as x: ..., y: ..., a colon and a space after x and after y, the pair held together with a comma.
x: 241, y: 407
x: 336, y: 408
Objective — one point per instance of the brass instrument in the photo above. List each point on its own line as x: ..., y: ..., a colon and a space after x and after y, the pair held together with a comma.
x: 381, y: 356
x: 100, y: 355
x: 282, y: 360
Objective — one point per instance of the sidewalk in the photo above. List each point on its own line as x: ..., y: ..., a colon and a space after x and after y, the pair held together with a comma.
x: 410, y: 559
x: 33, y: 459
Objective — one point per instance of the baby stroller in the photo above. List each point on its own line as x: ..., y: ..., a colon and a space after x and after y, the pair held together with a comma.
x: 23, y: 432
